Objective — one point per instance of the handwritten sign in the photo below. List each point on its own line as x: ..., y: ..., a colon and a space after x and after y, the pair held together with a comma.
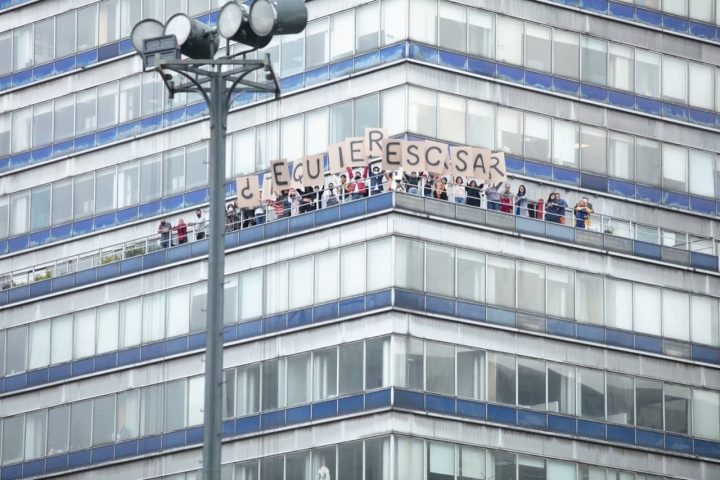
x: 248, y: 189
x: 280, y: 175
x: 314, y: 174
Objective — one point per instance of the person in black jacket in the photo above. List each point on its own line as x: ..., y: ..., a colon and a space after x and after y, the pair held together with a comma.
x: 306, y: 203
x: 474, y: 192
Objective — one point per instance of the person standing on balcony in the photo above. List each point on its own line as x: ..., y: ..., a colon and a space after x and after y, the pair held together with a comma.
x: 521, y: 209
x: 493, y: 196
x: 582, y: 214
x: 376, y: 179
x: 459, y: 191
x: 181, y: 228
x: 506, y: 200
x: 164, y: 229
x: 199, y: 225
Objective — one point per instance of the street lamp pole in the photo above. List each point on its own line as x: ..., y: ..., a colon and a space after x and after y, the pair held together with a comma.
x: 218, y: 81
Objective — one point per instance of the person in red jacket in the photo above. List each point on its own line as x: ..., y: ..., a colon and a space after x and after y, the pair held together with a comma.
x: 357, y: 185
x: 181, y: 228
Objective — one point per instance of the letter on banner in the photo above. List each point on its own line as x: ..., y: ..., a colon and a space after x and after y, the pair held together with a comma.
x: 314, y: 171
x: 339, y: 157
x: 481, y: 160
x: 498, y: 170
x: 356, y: 152
x: 374, y: 142
x: 413, y: 159
x: 267, y: 190
x: 280, y: 175
x: 392, y: 155
x: 436, y: 156
x: 298, y: 172
x: 461, y: 158
x: 248, y: 189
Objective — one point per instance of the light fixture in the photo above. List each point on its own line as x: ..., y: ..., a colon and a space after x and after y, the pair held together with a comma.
x: 195, y: 39
x: 143, y: 30
x: 278, y: 17
x: 581, y: 145
x: 234, y: 24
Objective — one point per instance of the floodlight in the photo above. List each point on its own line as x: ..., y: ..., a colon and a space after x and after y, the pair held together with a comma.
x: 145, y: 29
x: 234, y: 24
x: 195, y: 39
x: 278, y: 17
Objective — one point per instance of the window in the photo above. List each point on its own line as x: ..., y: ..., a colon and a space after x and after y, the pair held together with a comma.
x: 103, y: 420
x: 394, y: 21
x: 562, y: 471
x: 531, y: 284
x: 324, y: 374
x: 129, y: 99
x: 481, y: 125
x: 130, y: 323
x: 293, y: 134
x: 621, y: 401
x: 530, y: 468
x: 173, y: 172
x: 677, y: 409
x: 537, y: 137
x: 647, y: 73
x: 298, y: 378
x: 648, y: 162
x: 316, y: 43
x: 175, y: 399
x: 19, y: 213
x: 471, y: 369
x: 80, y: 427
x: 380, y: 253
x: 196, y: 397
x: 366, y: 28
x: 481, y: 33
x: 501, y: 282
x: 42, y: 124
x: 4, y: 132
x: 646, y: 311
x: 675, y: 167
x: 510, y: 131
x: 471, y: 463
x: 589, y: 299
x: 230, y: 300
x: 3, y: 217
x: 509, y: 43
x: 341, y: 119
x: 152, y: 94
x: 676, y: 315
x: 84, y: 343
x: 40, y: 212
x: 127, y: 415
x: 619, y: 304
x: 471, y: 276
x: 706, y: 414
x: 591, y: 393
x: 326, y: 277
x: 39, y: 355
x: 440, y: 368
x: 272, y: 467
x: 409, y: 266
x: 560, y: 292
x: 60, y: 340
x: 701, y: 93
x: 352, y: 270
x: 422, y: 112
x: 107, y: 328
x: 565, y: 143
x: 423, y: 28
x: 622, y: 67
x: 440, y: 462
x: 593, y: 143
x: 65, y: 34
x: 452, y: 27
x: 566, y: 61
x: 273, y: 384
x: 561, y: 388
x: 440, y: 270
x: 409, y: 363
x: 537, y: 47
x: 198, y: 307
x: 251, y: 288
x: 350, y: 377
x: 451, y: 118
x: 6, y: 50
x: 531, y: 383
x: 105, y: 190
x: 87, y: 28
x: 151, y: 410
x: 322, y: 457
x: 57, y: 432
x: 35, y: 433
x: 377, y: 459
x: 501, y: 378
x: 649, y: 398
x: 704, y: 320
x: 621, y: 161
x: 676, y: 7
x: 342, y: 35
x: 107, y: 104
x: 702, y: 10
x: 21, y: 129
x: 178, y: 313
x: 293, y: 47
x: 12, y: 444
x: 501, y: 465
x: 393, y: 110
x: 248, y: 390
x: 130, y: 14
x: 377, y: 363
x: 23, y: 47
x: 62, y: 202
x: 84, y: 196
x: 316, y: 131
x: 150, y: 178
x: 85, y: 113
x: 702, y: 173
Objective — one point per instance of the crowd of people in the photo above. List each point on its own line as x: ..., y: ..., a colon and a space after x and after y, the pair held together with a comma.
x: 372, y: 181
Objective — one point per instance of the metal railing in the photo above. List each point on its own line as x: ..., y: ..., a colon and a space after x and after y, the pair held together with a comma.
x: 271, y: 212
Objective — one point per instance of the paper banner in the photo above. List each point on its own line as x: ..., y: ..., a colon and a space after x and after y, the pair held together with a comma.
x: 374, y: 142
x: 297, y: 174
x: 498, y: 170
x: 461, y: 159
x: 355, y: 148
x: 248, y: 191
x: 481, y: 163
x: 413, y: 156
x: 338, y: 156
x: 436, y: 157
x: 280, y: 175
x: 313, y: 171
x: 392, y: 154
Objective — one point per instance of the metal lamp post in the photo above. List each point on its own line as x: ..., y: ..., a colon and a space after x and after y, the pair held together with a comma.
x: 161, y: 48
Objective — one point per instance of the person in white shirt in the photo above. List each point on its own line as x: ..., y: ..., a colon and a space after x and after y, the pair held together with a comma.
x: 199, y: 225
